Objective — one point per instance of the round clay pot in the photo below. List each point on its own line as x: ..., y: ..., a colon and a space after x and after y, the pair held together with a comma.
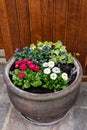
x: 43, y: 108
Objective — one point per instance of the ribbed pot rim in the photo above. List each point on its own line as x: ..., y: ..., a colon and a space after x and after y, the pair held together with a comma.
x: 47, y: 96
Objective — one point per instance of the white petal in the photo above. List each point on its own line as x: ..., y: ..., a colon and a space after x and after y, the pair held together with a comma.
x: 56, y: 70
x: 64, y: 76
x: 53, y: 76
x: 47, y: 71
x: 45, y: 64
x: 51, y: 64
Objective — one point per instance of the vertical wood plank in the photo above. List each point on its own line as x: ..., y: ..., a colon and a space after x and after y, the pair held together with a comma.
x: 23, y: 21
x: 35, y: 19
x: 5, y: 30
x: 59, y: 20
x: 82, y: 41
x: 1, y: 40
x: 73, y: 17
x: 47, y: 7
x: 13, y: 23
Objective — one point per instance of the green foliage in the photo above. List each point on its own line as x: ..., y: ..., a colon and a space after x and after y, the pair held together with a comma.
x: 38, y: 54
x: 55, y: 85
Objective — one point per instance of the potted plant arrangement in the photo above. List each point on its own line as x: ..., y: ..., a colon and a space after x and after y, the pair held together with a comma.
x: 43, y: 81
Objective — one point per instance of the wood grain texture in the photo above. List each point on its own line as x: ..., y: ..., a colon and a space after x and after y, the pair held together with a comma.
x: 35, y: 19
x: 5, y: 30
x: 82, y: 42
x: 59, y: 20
x: 13, y: 23
x: 26, y: 21
x: 73, y: 17
x: 47, y: 8
x: 23, y: 22
x: 1, y: 40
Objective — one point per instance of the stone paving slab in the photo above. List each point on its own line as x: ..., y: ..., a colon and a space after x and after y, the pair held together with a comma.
x: 82, y: 99
x: 16, y: 121
x: 10, y: 118
x: 4, y: 103
x: 80, y: 119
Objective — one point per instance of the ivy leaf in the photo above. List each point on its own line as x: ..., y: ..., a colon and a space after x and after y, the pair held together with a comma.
x: 39, y: 45
x: 63, y: 49
x: 58, y: 44
x: 32, y: 46
x: 52, y: 52
x: 56, y: 52
x: 54, y: 59
x: 46, y: 43
x: 70, y: 59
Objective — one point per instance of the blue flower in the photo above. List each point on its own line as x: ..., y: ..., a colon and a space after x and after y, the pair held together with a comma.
x: 16, y: 50
x: 25, y: 48
x: 48, y: 47
x: 34, y: 60
x: 44, y: 47
x: 30, y: 56
x: 19, y: 53
x: 41, y: 61
x: 30, y: 51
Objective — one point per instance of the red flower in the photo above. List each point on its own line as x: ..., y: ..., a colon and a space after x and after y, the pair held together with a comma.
x: 29, y: 62
x: 32, y: 66
x: 16, y: 66
x: 21, y: 75
x: 18, y: 62
x: 25, y: 60
x: 36, y: 68
x: 23, y: 67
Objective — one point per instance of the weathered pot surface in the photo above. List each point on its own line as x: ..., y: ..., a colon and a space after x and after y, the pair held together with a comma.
x: 43, y: 108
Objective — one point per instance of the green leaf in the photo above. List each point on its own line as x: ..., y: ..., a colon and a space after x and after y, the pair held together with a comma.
x: 54, y: 59
x: 46, y: 43
x: 56, y: 52
x: 63, y: 49
x: 32, y: 46
x: 64, y: 86
x: 36, y: 83
x: 14, y: 77
x: 26, y: 85
x: 58, y: 44
x: 40, y: 45
x: 19, y: 83
x: 17, y: 71
x: 52, y: 52
x: 10, y: 72
x: 70, y: 59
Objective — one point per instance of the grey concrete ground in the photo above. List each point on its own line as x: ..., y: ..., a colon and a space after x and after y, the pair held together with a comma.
x: 10, y: 118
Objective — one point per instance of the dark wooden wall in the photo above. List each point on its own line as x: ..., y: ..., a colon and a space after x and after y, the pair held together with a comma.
x: 26, y: 21
x: 1, y: 40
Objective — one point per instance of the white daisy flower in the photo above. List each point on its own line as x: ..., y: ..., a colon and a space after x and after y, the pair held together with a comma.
x: 53, y: 76
x: 47, y: 71
x: 56, y: 70
x: 64, y: 76
x: 51, y: 64
x: 45, y: 64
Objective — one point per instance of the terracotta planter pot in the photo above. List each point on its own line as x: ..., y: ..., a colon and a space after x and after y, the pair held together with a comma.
x: 43, y: 108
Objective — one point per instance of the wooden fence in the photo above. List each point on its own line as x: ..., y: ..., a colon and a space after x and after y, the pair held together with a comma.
x: 26, y: 21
